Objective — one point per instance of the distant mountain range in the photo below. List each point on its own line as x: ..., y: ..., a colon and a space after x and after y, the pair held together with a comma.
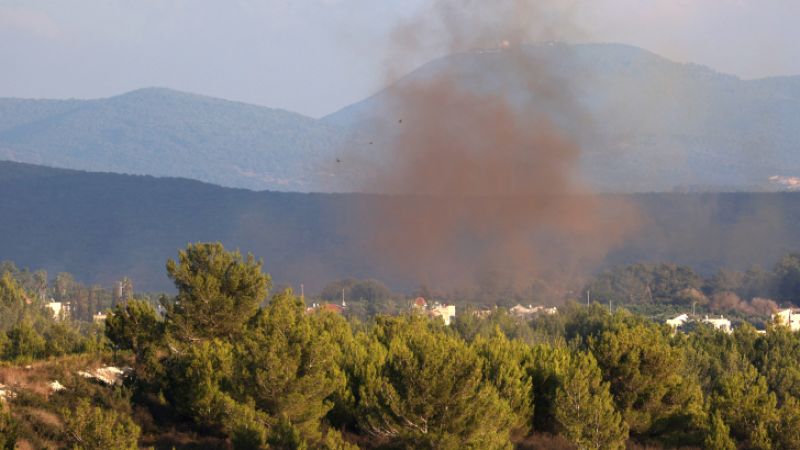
x: 657, y: 125
x: 163, y: 132
x: 102, y: 226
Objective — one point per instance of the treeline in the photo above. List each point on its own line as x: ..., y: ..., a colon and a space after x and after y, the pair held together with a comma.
x: 242, y: 372
x: 30, y: 329
x: 753, y: 292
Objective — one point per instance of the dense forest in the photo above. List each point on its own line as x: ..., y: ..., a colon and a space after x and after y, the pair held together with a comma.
x: 224, y: 364
x: 101, y: 227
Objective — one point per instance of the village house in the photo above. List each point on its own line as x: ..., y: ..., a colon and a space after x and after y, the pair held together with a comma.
x: 446, y: 312
x: 60, y: 310
x: 788, y: 317
x: 720, y: 323
x: 524, y: 312
x: 330, y: 307
x: 677, y: 322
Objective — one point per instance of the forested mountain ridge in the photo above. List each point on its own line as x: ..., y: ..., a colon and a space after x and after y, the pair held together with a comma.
x: 102, y: 226
x: 163, y: 132
x: 690, y: 127
x: 644, y: 123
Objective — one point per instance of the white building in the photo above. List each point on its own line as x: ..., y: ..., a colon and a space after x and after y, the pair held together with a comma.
x: 446, y: 312
x: 677, y: 322
x: 525, y: 311
x: 60, y: 310
x: 788, y: 317
x: 720, y: 323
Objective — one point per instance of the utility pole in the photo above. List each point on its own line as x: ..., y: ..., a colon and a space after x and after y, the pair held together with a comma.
x: 587, y: 297
x: 343, y: 296
x: 302, y: 294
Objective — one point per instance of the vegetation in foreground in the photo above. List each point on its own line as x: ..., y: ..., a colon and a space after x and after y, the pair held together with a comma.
x: 222, y: 369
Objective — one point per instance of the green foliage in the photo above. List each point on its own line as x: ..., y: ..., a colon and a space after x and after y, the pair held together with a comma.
x: 134, y: 325
x: 645, y: 283
x: 287, y: 365
x: 24, y: 343
x: 787, y: 434
x: 746, y: 405
x: 218, y: 291
x: 424, y: 388
x: 640, y: 364
x: 584, y: 409
x: 8, y: 428
x: 12, y: 302
x: 93, y: 428
x: 197, y: 378
x: 718, y: 437
x: 504, y: 368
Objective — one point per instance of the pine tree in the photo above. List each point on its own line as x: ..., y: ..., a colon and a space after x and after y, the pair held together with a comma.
x: 92, y: 428
x: 424, y: 389
x: 504, y: 368
x: 719, y: 437
x: 287, y: 366
x: 218, y: 292
x: 584, y: 408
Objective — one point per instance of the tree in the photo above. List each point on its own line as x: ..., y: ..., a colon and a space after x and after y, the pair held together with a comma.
x: 504, y: 368
x: 787, y: 276
x: 584, y: 409
x: 135, y: 326
x: 12, y: 302
x: 287, y: 366
x: 218, y: 291
x: 746, y: 405
x: 423, y: 388
x: 640, y: 364
x: 718, y: 437
x: 93, y: 428
x: 8, y: 429
x: 24, y: 343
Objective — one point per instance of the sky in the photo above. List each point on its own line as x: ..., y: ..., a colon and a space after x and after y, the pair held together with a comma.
x: 317, y: 56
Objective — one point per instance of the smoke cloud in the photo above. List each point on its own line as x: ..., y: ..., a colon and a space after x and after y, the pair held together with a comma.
x: 482, y: 181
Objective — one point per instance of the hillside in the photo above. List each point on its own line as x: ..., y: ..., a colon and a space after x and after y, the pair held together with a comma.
x: 650, y: 125
x: 162, y: 132
x: 102, y: 226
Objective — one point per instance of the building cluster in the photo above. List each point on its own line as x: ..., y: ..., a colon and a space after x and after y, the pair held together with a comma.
x: 788, y: 317
x: 446, y: 312
x: 330, y: 307
x: 530, y: 310
x: 719, y: 323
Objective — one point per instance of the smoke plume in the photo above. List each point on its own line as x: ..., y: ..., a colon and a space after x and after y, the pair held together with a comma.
x: 481, y: 170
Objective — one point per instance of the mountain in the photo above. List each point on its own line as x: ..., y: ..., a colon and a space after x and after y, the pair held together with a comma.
x: 644, y: 123
x: 102, y: 226
x: 168, y: 133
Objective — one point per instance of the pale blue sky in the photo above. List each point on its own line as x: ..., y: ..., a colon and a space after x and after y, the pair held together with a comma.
x: 315, y: 56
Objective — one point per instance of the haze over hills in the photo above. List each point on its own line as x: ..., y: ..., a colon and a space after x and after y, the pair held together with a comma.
x: 163, y: 132
x: 102, y: 226
x: 655, y: 125
x: 652, y: 125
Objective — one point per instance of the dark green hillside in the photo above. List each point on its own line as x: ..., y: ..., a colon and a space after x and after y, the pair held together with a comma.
x: 102, y: 226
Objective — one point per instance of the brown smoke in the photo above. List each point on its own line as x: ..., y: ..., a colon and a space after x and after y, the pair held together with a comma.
x: 487, y: 181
